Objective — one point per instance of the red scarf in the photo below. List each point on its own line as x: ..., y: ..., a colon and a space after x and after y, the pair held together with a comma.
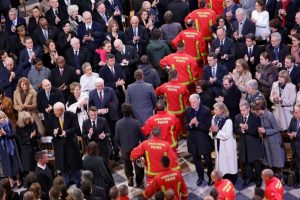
x: 284, y: 5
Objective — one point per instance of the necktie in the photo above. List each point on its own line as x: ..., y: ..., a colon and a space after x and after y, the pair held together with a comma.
x: 100, y: 96
x: 135, y: 32
x: 48, y: 95
x: 112, y: 70
x: 112, y: 2
x: 61, y: 122
x: 105, y: 18
x: 250, y: 52
x: 61, y: 72
x: 244, y: 120
x: 222, y: 44
x: 46, y: 34
x: 276, y: 50
x: 29, y: 52
x: 94, y: 125
x: 77, y: 60
x: 15, y: 23
x: 56, y: 12
x: 213, y: 72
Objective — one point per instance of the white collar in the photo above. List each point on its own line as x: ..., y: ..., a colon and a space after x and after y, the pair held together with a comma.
x: 41, y: 166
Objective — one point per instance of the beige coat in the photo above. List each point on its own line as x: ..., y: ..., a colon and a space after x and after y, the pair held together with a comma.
x: 31, y: 104
x: 283, y: 112
x: 241, y: 80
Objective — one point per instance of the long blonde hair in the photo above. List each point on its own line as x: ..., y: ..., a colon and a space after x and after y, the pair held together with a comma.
x: 222, y: 107
x: 21, y: 118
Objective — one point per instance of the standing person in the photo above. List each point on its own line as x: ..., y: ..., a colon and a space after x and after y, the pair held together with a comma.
x: 28, y: 137
x: 64, y: 127
x: 274, y: 157
x: 225, y: 142
x: 128, y: 136
x: 97, y: 129
x: 142, y: 97
x: 261, y: 19
x: 250, y: 146
x: 274, y: 187
x: 10, y: 159
x: 88, y: 78
x: 283, y: 97
x: 198, y: 122
x: 224, y: 187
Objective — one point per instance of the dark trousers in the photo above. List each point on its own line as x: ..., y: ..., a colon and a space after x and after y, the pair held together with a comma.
x: 257, y: 166
x: 139, y: 172
x: 72, y: 177
x: 208, y: 161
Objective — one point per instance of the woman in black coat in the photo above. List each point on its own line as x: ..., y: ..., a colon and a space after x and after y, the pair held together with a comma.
x: 34, y: 19
x: 28, y: 137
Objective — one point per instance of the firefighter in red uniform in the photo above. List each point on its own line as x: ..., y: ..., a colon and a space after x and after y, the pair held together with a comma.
x: 167, y: 179
x: 153, y: 149
x: 185, y: 65
x: 216, y: 5
x: 204, y: 18
x: 168, y: 124
x: 223, y: 186
x: 177, y: 97
x: 274, y: 187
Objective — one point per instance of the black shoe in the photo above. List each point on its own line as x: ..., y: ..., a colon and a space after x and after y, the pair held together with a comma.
x: 246, y: 183
x: 140, y: 185
x: 258, y: 184
x: 210, y: 183
x: 130, y: 182
x: 199, y: 182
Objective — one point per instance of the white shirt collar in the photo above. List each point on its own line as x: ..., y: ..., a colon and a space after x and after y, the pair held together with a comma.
x: 41, y: 166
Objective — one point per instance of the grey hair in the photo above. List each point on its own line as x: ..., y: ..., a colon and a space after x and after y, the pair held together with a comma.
x: 99, y: 80
x: 59, y: 105
x: 72, y: 8
x: 252, y: 84
x: 244, y: 103
x: 276, y: 35
x: 13, y: 10
x: 241, y: 11
x: 268, y: 173
x: 195, y: 96
x: 218, y: 174
x: 85, y: 65
x: 74, y: 39
x: 87, y: 175
x: 77, y: 194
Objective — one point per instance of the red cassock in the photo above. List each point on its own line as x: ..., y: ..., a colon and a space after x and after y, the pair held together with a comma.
x: 168, y: 179
x: 274, y: 189
x: 216, y: 5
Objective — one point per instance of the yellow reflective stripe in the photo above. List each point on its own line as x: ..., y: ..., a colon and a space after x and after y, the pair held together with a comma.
x: 190, y: 73
x: 204, y: 54
x: 173, y: 66
x: 144, y: 195
x: 176, y: 168
x: 148, y: 163
x: 207, y: 38
x: 181, y: 102
x: 210, y: 22
x: 196, y: 24
x: 198, y: 50
x: 178, y: 187
x: 278, y: 185
x: 163, y: 189
x: 226, y: 186
x: 165, y: 153
x: 175, y: 112
x: 174, y: 141
x: 211, y: 5
x: 182, y: 109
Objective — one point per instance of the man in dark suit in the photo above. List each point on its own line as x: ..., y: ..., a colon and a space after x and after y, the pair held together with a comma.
x: 292, y: 68
x: 225, y: 49
x: 63, y: 126
x: 62, y: 76
x: 277, y: 50
x: 14, y: 21
x: 242, y: 26
x: 197, y: 123
x: 213, y: 75
x: 128, y: 57
x: 56, y: 14
x: 137, y: 36
x: 42, y: 172
x: 90, y: 33
x: 250, y: 145
x: 96, y: 129
x: 115, y: 9
x: 47, y: 97
x: 44, y: 32
x: 27, y: 55
x: 4, y: 40
x: 250, y: 52
x: 66, y: 3
x: 294, y: 134
x: 106, y: 102
x: 76, y: 56
x: 100, y: 15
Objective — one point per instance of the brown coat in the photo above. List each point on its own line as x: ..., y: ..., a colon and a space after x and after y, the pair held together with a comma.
x: 8, y: 109
x: 31, y: 107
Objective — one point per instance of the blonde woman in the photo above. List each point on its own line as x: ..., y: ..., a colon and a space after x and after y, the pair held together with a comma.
x: 241, y: 75
x: 225, y: 143
x: 25, y: 100
x: 283, y: 97
x: 28, y: 139
x: 87, y: 80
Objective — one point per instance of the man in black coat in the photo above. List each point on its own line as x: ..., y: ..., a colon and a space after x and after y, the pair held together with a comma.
x: 100, y: 15
x: 42, y: 172
x: 179, y: 9
x: 230, y: 96
x: 96, y: 129
x: 62, y: 76
x: 56, y: 14
x: 47, y: 97
x: 128, y: 58
x: 63, y: 126
x: 128, y: 135
x: 250, y: 146
x: 197, y: 123
x: 225, y: 49
x: 294, y: 134
x: 44, y: 32
x: 292, y: 68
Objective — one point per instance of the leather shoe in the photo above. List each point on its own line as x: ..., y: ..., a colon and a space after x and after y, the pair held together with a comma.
x: 246, y: 183
x: 199, y: 182
x: 130, y: 182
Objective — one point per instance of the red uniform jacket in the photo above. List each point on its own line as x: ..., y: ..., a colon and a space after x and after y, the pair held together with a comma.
x: 168, y: 124
x: 195, y: 42
x: 225, y: 189
x: 216, y: 5
x: 123, y: 198
x: 166, y: 180
x: 204, y: 18
x: 176, y: 94
x: 274, y: 189
x: 185, y: 65
x: 153, y: 150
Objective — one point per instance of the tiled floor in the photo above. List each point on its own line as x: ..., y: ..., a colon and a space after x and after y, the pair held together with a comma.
x: 190, y: 176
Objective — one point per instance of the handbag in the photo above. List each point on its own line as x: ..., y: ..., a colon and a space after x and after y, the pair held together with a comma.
x: 291, y: 175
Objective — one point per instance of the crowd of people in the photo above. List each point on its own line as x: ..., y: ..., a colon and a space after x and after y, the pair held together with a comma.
x: 128, y: 79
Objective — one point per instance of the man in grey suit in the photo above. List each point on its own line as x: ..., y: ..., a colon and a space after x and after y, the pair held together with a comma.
x: 142, y: 97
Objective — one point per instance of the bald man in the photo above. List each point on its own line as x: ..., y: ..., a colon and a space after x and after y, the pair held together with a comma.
x: 137, y: 36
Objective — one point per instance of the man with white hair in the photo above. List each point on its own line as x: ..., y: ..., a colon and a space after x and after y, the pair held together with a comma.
x: 56, y: 14
x: 198, y: 122
x: 76, y: 55
x: 14, y: 21
x: 63, y: 127
x: 242, y: 26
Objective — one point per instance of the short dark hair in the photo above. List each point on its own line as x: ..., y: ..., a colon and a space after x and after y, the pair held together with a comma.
x: 213, y: 55
x: 92, y: 149
x: 138, y: 74
x: 123, y: 189
x: 172, y: 74
x: 113, y: 192
x: 165, y: 161
x: 155, y: 34
x: 202, y: 84
x: 250, y: 36
x: 39, y: 155
x: 275, y: 23
x: 156, y: 131
x: 127, y: 109
x: 29, y: 179
x: 93, y: 108
x: 37, y: 60
x: 189, y: 23
x: 180, y: 45
x: 291, y: 58
x: 160, y: 105
x: 265, y: 55
x: 110, y: 56
x: 144, y: 59
x: 86, y: 187
x: 214, y: 193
